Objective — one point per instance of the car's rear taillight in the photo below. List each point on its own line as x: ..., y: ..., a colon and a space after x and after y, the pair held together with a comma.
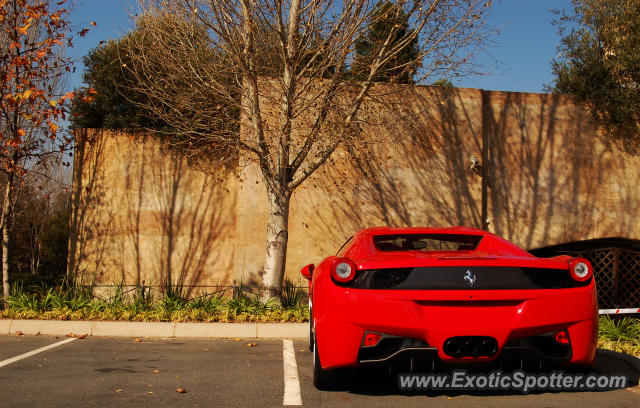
x: 561, y: 337
x: 343, y: 270
x: 371, y: 339
x: 580, y: 269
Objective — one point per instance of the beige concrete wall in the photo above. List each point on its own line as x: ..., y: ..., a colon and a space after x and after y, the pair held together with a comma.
x: 551, y: 181
x: 142, y: 214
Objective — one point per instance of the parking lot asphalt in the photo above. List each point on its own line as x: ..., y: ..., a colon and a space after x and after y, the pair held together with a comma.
x: 105, y: 372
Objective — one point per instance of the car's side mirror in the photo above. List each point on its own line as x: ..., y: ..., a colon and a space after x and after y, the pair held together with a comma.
x: 307, y: 271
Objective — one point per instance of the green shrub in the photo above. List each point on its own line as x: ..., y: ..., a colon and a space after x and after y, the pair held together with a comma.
x: 170, y: 302
x: 208, y: 304
x: 21, y: 301
x: 78, y: 303
x: 292, y: 295
x: 626, y: 329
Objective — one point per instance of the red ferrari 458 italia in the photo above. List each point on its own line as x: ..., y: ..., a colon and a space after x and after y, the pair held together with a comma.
x: 431, y: 298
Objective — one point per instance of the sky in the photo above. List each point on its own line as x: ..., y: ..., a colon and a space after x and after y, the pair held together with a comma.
x: 526, y: 42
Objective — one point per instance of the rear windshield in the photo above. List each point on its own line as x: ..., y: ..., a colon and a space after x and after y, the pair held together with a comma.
x: 426, y: 242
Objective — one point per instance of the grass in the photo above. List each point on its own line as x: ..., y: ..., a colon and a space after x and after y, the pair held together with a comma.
x: 619, y: 347
x: 72, y: 304
x: 620, y: 335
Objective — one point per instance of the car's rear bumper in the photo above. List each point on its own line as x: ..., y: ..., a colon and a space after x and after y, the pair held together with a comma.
x: 343, y: 316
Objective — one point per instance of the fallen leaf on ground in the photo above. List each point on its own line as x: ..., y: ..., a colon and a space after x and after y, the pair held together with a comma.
x: 251, y: 344
x: 181, y: 390
x: 19, y: 333
x: 136, y: 340
x: 118, y: 390
x: 237, y: 339
x: 150, y: 392
x: 156, y: 371
x: 177, y: 378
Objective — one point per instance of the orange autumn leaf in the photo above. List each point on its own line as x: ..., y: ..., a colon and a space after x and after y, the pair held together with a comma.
x: 68, y: 95
x: 35, y: 29
x: 21, y: 61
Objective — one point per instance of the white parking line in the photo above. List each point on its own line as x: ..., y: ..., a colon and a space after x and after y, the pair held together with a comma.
x: 291, y: 381
x: 36, y: 351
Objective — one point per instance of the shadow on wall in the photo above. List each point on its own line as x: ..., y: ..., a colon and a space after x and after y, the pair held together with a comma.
x: 547, y: 169
x: 87, y: 224
x: 149, y: 215
x: 416, y: 171
x: 193, y: 224
x: 549, y: 178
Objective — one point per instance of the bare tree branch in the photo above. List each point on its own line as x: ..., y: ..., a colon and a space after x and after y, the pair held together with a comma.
x: 285, y: 69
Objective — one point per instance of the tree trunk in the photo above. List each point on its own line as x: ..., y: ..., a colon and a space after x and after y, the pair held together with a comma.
x: 277, y: 237
x: 6, y: 229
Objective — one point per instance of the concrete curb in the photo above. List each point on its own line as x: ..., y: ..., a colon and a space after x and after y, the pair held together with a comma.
x: 157, y: 329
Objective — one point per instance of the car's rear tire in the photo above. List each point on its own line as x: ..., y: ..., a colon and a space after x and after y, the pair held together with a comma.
x: 322, y: 379
x: 310, y: 329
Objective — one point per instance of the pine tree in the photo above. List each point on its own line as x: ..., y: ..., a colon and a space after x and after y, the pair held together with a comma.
x: 402, y: 67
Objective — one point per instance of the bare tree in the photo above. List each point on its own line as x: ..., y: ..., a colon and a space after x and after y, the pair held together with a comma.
x: 33, y: 36
x: 41, y: 201
x: 291, y: 62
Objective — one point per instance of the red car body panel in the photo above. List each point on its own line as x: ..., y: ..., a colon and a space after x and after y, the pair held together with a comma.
x: 342, y: 315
